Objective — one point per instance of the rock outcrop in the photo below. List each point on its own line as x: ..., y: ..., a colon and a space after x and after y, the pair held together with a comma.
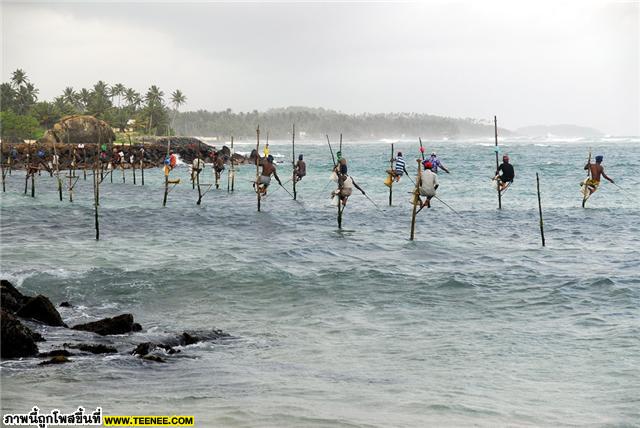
x: 120, y: 324
x: 60, y: 359
x: 38, y: 308
x: 79, y: 129
x: 12, y: 299
x: 41, y: 309
x: 17, y: 339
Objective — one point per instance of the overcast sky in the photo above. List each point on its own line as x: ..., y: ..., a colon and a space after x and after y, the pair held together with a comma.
x: 532, y: 62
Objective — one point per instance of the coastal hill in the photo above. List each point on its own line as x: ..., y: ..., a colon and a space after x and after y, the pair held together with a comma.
x: 316, y: 122
x: 563, y: 130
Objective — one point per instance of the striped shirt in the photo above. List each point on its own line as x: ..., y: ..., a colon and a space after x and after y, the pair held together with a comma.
x: 400, y: 164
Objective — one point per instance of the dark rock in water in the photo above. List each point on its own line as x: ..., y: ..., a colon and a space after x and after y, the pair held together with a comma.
x: 190, y: 338
x: 146, y: 347
x: 56, y: 353
x: 17, y: 339
x: 40, y: 308
x: 187, y: 339
x: 154, y: 358
x: 136, y: 327
x: 65, y: 305
x: 12, y: 299
x: 116, y: 325
x: 60, y: 359
x: 92, y: 348
x: 224, y: 151
x: 37, y: 337
x: 143, y: 348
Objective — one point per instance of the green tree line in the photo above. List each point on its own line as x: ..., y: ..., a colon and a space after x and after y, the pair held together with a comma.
x: 316, y: 122
x: 23, y: 116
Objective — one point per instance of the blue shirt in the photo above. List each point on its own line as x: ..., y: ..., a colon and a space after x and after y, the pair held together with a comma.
x: 435, y: 163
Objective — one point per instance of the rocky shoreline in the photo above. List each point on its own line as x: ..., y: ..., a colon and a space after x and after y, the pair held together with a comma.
x: 80, y: 141
x: 21, y: 341
x: 151, y: 152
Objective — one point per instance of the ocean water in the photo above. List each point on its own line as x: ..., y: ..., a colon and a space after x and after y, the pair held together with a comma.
x: 472, y: 323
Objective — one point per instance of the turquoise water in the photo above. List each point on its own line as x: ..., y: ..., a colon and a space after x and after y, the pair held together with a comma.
x: 472, y: 323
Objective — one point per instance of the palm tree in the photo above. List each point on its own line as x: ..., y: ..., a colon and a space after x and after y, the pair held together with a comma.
x: 133, y: 100
x: 155, y: 106
x: 177, y: 99
x: 69, y: 95
x: 132, y: 97
x: 47, y: 114
x: 19, y: 77
x: 116, y: 91
x: 7, y: 96
x: 154, y: 96
x: 64, y: 107
x: 84, y: 97
x: 26, y: 96
x: 99, y: 102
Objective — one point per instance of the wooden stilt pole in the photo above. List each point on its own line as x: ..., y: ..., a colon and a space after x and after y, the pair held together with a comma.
x: 198, y: 182
x: 293, y: 155
x: 540, y: 210
x: 2, y: 165
x: 257, y: 183
x: 84, y: 163
x: 193, y: 177
x: 392, y: 178
x: 197, y: 170
x: 96, y: 187
x: 586, y: 194
x: 416, y: 201
x: 142, y: 166
x: 56, y: 158
x: 33, y: 178
x: 10, y: 159
x: 340, y: 206
x: 133, y: 166
x: 495, y: 127
x: 416, y: 194
x: 27, y: 165
x: 72, y: 168
x: 167, y: 168
x: 71, y: 175
x: 72, y: 165
x: 231, y: 173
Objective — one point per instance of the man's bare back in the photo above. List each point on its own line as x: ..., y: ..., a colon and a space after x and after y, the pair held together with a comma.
x: 268, y: 168
x: 596, y: 171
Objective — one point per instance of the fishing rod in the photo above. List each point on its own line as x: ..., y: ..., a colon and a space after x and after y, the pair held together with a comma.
x: 371, y: 200
x: 447, y: 205
x: 627, y: 194
x: 281, y: 185
x: 367, y: 196
x: 333, y: 159
x: 285, y: 189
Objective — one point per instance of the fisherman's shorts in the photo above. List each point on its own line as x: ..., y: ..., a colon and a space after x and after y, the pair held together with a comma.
x: 264, y: 180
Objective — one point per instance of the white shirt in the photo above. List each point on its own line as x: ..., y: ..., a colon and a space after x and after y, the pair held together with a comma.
x: 429, y: 180
x: 348, y: 183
